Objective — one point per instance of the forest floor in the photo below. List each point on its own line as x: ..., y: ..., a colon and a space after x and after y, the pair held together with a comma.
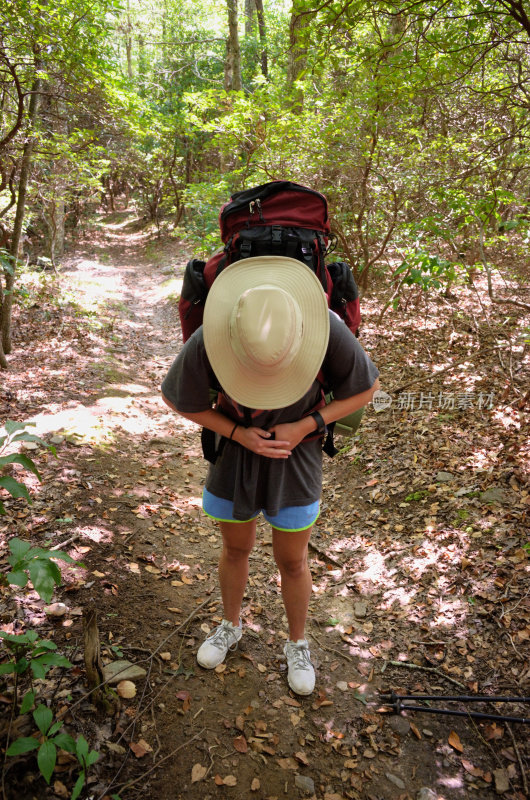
x: 420, y: 558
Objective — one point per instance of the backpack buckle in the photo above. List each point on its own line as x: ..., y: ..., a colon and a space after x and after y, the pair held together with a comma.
x: 245, y: 249
x: 276, y: 235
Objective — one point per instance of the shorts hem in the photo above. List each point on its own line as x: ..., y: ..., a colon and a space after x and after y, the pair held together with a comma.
x: 293, y: 530
x: 237, y: 521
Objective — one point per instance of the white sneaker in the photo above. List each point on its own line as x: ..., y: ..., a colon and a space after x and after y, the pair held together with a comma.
x: 213, y: 650
x: 300, y: 672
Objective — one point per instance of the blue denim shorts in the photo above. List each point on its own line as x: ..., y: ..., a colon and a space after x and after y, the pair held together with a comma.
x: 292, y: 518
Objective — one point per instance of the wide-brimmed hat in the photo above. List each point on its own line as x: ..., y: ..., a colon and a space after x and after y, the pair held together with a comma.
x: 266, y: 330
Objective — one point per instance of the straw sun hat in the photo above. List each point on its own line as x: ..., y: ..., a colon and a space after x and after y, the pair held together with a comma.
x: 266, y: 330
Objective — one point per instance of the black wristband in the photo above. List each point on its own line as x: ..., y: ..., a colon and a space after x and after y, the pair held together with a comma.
x: 321, y: 425
x: 233, y: 431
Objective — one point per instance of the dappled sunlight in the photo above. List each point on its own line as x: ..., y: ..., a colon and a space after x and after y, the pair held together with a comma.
x: 98, y: 422
x: 507, y: 418
x: 453, y: 782
x: 400, y: 595
x: 92, y: 533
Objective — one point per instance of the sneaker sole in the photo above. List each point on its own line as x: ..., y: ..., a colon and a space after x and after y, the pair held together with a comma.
x: 213, y: 666
x: 296, y: 691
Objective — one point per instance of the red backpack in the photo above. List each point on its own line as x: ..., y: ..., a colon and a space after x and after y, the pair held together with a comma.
x: 278, y: 218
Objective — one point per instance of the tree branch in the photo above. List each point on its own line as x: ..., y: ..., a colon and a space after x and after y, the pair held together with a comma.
x: 20, y: 101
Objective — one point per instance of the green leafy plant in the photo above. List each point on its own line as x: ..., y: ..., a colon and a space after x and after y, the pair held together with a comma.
x: 426, y: 270
x: 47, y: 744
x: 30, y: 652
x: 15, y: 433
x: 35, y: 563
x: 415, y: 496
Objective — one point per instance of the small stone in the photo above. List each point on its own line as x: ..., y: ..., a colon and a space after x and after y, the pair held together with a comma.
x: 342, y: 686
x: 427, y: 732
x: 118, y: 671
x: 426, y: 794
x: 400, y: 725
x: 395, y: 780
x: 30, y: 446
x: 444, y: 477
x: 360, y: 610
x: 502, y: 782
x: 57, y: 439
x: 56, y: 610
x: 493, y: 495
x: 305, y: 783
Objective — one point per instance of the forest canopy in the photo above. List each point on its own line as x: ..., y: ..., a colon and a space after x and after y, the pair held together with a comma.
x: 412, y: 118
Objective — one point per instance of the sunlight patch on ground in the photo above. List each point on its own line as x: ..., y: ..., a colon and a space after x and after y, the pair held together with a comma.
x: 398, y: 595
x: 93, y: 533
x: 97, y: 422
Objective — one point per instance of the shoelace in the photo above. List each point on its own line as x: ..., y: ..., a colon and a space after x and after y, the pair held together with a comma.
x: 220, y: 638
x: 300, y: 655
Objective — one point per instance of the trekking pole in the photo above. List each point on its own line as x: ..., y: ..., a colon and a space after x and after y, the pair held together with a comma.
x: 396, y: 702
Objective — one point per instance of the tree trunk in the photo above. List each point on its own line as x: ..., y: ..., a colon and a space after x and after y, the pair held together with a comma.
x: 54, y: 220
x: 263, y: 37
x: 249, y: 17
x: 128, y: 42
x: 233, y: 53
x: 25, y: 170
x: 298, y: 48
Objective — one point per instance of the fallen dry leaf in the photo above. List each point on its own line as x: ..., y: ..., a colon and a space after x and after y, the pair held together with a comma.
x: 290, y: 701
x: 230, y: 780
x: 60, y: 790
x: 186, y: 699
x: 198, y: 772
x: 141, y: 748
x: 454, y: 741
x: 302, y: 758
x: 255, y: 785
x: 287, y: 763
x: 240, y: 744
x: 415, y: 731
x: 469, y: 767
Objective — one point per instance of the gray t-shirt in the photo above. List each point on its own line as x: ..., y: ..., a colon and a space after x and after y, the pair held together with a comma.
x: 256, y: 482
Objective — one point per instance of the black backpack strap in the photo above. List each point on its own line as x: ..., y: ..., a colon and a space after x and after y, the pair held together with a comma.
x: 344, y: 287
x: 194, y: 288
x: 329, y: 446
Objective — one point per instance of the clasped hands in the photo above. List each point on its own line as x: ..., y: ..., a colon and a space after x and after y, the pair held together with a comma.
x: 286, y: 436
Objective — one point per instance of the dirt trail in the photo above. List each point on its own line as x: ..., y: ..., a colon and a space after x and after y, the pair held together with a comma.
x: 129, y: 484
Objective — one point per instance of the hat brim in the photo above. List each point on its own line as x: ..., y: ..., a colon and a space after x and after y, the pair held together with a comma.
x: 248, y: 387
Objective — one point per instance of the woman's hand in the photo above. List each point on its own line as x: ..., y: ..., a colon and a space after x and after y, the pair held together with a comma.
x: 259, y: 441
x: 293, y: 432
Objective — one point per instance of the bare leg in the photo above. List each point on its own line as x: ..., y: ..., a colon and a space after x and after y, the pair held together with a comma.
x: 238, y: 541
x: 290, y: 552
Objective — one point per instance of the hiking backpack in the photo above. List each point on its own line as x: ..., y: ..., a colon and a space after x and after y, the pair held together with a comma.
x: 280, y: 218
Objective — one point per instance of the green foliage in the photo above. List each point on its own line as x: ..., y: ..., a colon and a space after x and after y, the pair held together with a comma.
x: 425, y: 270
x: 51, y: 739
x: 415, y: 497
x: 15, y: 433
x: 38, y: 564
x: 30, y: 652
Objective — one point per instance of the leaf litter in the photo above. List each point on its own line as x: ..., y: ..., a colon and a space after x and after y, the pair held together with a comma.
x: 419, y: 565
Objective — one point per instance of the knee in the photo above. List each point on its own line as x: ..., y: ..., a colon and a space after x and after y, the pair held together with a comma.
x: 293, y: 567
x: 236, y: 554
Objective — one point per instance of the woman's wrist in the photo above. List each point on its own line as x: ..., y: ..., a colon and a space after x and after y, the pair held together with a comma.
x: 309, y: 425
